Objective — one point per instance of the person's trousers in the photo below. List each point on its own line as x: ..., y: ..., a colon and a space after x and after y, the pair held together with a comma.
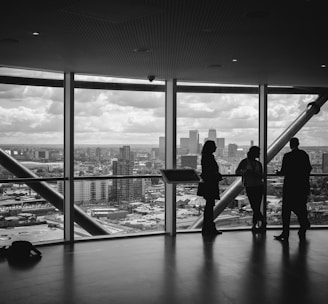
x: 208, y: 221
x: 254, y: 195
x: 301, y: 212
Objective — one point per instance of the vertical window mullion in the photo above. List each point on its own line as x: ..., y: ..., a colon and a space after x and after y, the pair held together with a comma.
x: 263, y: 138
x: 69, y: 157
x: 170, y: 153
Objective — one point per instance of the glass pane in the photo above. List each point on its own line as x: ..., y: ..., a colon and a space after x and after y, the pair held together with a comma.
x: 283, y: 110
x: 120, y: 133
x: 31, y: 136
x: 122, y: 206
x: 231, y: 120
x: 31, y: 130
x: 25, y: 215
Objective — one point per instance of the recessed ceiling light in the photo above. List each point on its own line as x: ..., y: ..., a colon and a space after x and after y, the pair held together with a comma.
x: 323, y: 66
x: 234, y: 60
x: 35, y: 33
x: 142, y: 50
x: 8, y: 40
x: 214, y: 66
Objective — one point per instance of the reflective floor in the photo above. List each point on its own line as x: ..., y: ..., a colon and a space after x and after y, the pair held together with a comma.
x: 235, y: 267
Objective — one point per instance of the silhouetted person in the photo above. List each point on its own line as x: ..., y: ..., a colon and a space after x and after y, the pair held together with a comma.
x: 252, y: 176
x: 209, y: 189
x: 296, y: 169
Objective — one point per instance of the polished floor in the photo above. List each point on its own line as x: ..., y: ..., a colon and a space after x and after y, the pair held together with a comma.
x: 234, y: 267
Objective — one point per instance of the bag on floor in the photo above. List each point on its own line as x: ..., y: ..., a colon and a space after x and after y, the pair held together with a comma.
x: 22, y: 251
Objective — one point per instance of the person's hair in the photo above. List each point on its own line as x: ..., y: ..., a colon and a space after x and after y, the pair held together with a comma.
x: 253, y: 151
x: 294, y: 142
x: 208, y: 147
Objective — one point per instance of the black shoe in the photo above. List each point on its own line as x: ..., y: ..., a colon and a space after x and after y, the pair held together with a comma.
x: 281, y: 238
x: 211, y: 232
x: 302, y: 235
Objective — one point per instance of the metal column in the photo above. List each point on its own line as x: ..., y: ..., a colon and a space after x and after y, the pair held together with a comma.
x: 263, y: 138
x: 170, y: 153
x: 69, y: 157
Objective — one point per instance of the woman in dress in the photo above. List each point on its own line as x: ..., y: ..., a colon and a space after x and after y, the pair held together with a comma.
x: 209, y: 188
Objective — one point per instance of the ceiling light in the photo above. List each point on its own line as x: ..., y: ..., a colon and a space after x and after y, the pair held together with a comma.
x: 214, y: 66
x: 234, y: 60
x: 142, y: 50
x: 323, y: 66
x: 35, y: 33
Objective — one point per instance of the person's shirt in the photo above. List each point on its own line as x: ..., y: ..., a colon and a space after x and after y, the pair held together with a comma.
x: 296, y: 168
x: 251, y: 171
x: 210, y: 169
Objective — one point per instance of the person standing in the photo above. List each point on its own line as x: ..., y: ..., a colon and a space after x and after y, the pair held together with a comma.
x: 295, y: 168
x: 251, y: 171
x: 209, y: 188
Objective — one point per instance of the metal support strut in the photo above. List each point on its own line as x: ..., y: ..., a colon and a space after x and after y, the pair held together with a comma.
x: 49, y: 194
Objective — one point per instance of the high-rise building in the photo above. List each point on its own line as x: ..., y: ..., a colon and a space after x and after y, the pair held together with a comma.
x: 123, y: 188
x: 193, y: 141
x: 220, y: 143
x: 87, y: 191
x: 162, y: 148
x: 232, y: 150
x: 189, y: 161
x: 325, y: 163
x: 212, y: 135
x: 98, y: 153
x: 184, y: 145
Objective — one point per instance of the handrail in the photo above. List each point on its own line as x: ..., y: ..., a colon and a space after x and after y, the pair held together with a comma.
x: 105, y: 177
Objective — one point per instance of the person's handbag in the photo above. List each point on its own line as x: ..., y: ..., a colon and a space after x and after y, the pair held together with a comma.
x: 201, y: 191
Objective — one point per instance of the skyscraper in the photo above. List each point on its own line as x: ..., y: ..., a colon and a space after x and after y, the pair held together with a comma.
x: 220, y: 142
x: 162, y: 148
x: 232, y: 150
x: 189, y: 161
x: 184, y: 145
x: 123, y: 188
x: 193, y: 141
x: 325, y: 163
x: 212, y: 135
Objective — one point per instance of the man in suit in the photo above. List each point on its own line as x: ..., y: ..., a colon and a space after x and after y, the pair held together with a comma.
x: 296, y: 169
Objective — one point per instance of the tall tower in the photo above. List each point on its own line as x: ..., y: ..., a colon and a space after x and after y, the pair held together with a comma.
x: 232, y: 150
x: 220, y: 146
x: 325, y: 162
x: 193, y: 142
x: 123, y: 188
x: 212, y: 135
x: 162, y: 148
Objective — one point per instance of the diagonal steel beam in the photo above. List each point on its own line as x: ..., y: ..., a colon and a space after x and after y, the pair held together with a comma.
x: 236, y: 187
x: 49, y: 194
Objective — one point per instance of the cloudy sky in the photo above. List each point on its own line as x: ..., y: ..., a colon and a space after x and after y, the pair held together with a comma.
x: 35, y: 115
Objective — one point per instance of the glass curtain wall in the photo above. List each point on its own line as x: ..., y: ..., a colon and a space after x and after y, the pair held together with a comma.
x: 231, y: 120
x: 283, y: 109
x: 31, y: 136
x: 119, y: 133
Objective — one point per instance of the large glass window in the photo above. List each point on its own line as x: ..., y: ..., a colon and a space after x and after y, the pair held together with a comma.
x: 282, y: 111
x: 31, y: 136
x: 231, y: 120
x: 120, y: 133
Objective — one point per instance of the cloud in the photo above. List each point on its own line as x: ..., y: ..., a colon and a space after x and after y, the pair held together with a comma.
x: 35, y: 114
x: 27, y: 120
